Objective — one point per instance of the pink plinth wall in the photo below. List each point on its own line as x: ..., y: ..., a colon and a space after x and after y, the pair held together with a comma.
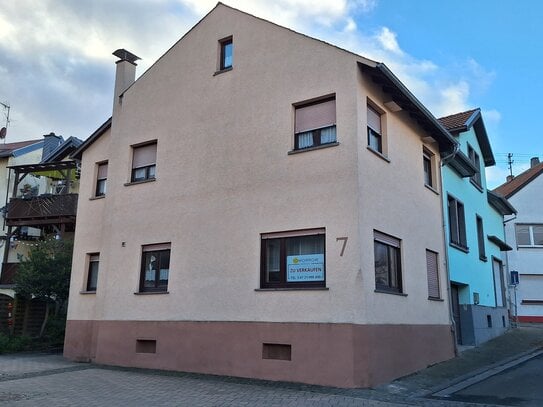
x: 342, y: 355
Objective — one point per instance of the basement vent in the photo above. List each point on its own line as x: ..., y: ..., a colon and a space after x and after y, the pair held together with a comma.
x: 276, y: 351
x: 145, y: 346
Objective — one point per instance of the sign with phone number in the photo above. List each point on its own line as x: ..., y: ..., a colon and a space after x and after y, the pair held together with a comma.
x: 307, y: 267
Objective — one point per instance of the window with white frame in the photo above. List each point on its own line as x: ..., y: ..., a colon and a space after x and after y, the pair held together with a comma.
x: 375, y: 133
x: 144, y: 162
x: 315, y: 123
x: 101, y: 180
x: 529, y: 235
x: 429, y: 167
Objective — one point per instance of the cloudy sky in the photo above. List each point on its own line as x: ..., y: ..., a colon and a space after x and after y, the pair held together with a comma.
x: 57, y: 71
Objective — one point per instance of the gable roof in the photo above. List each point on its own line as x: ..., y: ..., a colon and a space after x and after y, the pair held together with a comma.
x: 63, y: 150
x: 460, y: 122
x: 92, y: 138
x: 510, y: 188
x: 10, y: 149
x: 378, y: 71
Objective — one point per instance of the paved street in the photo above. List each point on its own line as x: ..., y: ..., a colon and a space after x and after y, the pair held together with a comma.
x: 46, y: 380
x: 521, y: 385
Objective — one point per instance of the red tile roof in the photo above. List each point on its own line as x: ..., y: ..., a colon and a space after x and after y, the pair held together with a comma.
x: 7, y: 148
x: 520, y: 181
x: 456, y: 120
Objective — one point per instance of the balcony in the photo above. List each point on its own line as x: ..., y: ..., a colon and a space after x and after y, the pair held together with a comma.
x: 8, y: 273
x: 42, y: 210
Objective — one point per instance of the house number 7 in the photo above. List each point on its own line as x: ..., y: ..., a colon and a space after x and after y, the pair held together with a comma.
x: 344, y: 239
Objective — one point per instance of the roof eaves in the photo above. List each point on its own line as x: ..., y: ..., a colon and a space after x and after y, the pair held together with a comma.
x: 482, y: 139
x: 92, y: 138
x: 462, y: 165
x: 410, y: 103
x: 504, y: 247
x: 501, y: 204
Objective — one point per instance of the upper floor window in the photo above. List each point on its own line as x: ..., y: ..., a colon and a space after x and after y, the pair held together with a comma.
x: 480, y: 237
x: 429, y: 167
x: 475, y: 160
x: 155, y: 267
x: 315, y: 124
x: 92, y: 274
x: 226, y: 56
x: 457, y: 223
x: 293, y: 259
x: 529, y: 235
x: 387, y: 257
x: 375, y: 135
x: 101, y: 180
x: 144, y: 162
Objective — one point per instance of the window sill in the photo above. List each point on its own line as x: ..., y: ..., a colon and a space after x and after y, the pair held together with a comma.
x: 483, y: 258
x: 94, y: 198
x: 436, y: 299
x: 529, y: 247
x: 220, y: 71
x: 431, y: 188
x: 151, y: 292
x: 139, y: 182
x: 293, y: 289
x: 87, y: 292
x: 459, y: 247
x: 378, y: 154
x: 476, y: 185
x: 303, y: 150
x: 383, y: 291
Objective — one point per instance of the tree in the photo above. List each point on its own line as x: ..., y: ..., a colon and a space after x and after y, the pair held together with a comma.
x: 45, y: 274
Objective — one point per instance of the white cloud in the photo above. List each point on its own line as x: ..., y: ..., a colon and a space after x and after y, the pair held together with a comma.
x: 491, y: 116
x: 56, y: 54
x: 388, y: 41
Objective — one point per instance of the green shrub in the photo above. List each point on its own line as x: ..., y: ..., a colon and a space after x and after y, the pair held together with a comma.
x: 12, y: 344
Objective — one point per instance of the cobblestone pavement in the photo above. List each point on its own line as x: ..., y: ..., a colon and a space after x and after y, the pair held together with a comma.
x: 50, y: 380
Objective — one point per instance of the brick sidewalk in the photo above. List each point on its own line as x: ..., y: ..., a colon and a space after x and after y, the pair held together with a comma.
x: 41, y: 379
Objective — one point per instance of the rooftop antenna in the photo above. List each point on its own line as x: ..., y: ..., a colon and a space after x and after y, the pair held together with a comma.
x: 4, y: 130
x: 510, y: 163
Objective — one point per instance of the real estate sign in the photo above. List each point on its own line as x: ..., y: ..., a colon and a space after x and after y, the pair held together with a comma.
x: 306, y: 267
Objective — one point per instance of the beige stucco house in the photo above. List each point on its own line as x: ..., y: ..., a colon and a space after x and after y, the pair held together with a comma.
x: 261, y: 204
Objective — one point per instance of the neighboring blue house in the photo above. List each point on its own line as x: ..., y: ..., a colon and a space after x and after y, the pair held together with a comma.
x: 474, y: 233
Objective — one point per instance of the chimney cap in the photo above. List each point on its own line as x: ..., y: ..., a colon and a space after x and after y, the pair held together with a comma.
x: 125, y: 55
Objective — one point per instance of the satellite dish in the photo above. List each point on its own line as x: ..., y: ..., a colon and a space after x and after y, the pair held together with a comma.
x: 3, y: 132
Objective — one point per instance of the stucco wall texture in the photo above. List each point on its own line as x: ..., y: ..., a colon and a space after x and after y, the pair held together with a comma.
x: 223, y: 177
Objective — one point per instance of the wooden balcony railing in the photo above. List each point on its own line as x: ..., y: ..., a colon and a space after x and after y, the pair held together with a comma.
x: 40, y: 210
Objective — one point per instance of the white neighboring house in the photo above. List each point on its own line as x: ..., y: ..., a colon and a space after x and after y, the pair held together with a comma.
x: 525, y: 233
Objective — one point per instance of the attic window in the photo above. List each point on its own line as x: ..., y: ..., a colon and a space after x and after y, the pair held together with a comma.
x: 226, y: 55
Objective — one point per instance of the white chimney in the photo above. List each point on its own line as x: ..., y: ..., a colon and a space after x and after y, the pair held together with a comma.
x: 125, y: 74
x: 534, y: 161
